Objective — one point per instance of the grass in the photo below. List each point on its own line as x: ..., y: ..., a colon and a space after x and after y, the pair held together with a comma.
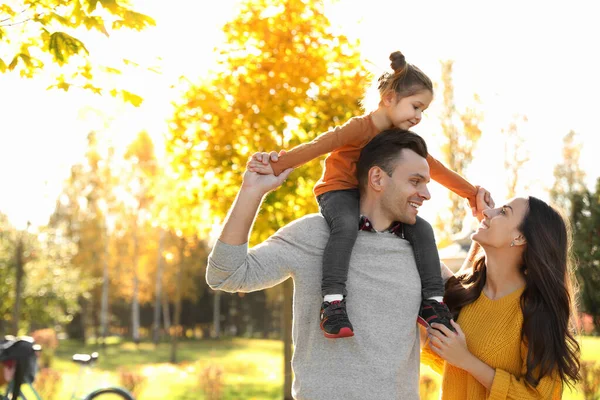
x: 251, y: 368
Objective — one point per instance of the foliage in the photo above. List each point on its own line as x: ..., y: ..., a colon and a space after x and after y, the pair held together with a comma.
x: 568, y: 175
x: 284, y: 77
x: 48, y: 382
x: 585, y: 218
x: 515, y: 154
x: 211, y: 382
x: 132, y: 381
x: 36, y: 33
x: 590, y: 372
x: 48, y: 340
x: 461, y: 132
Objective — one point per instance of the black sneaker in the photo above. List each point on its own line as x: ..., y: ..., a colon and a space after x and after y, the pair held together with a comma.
x: 334, y: 320
x: 433, y: 311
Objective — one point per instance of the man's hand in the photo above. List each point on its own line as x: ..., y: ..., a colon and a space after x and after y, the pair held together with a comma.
x: 261, y: 162
x: 259, y: 175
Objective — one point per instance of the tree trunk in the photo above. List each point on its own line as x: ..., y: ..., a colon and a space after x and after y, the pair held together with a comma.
x: 104, y: 305
x: 166, y: 313
x: 159, y: 274
x: 135, y: 306
x: 20, y: 277
x: 217, y: 314
x: 288, y: 292
x: 177, y: 316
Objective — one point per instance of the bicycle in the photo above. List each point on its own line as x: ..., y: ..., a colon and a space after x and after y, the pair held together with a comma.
x: 19, y: 358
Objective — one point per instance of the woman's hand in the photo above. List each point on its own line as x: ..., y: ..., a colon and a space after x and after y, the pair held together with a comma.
x: 449, y: 345
x: 261, y: 162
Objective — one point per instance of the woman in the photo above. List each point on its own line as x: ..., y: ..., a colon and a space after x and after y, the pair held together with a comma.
x: 514, y: 304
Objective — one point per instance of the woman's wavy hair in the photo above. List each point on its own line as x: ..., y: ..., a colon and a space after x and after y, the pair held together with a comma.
x: 547, y: 301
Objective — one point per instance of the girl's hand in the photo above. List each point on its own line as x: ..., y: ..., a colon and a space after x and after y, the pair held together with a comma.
x: 484, y: 202
x: 261, y: 162
x: 451, y: 346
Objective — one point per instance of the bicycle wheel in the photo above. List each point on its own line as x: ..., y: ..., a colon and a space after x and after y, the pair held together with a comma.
x: 110, y: 394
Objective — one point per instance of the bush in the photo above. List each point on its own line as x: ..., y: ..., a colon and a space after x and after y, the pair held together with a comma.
x: 132, y: 381
x: 211, y: 382
x: 427, y: 387
x: 48, y: 340
x: 590, y: 373
x: 48, y: 382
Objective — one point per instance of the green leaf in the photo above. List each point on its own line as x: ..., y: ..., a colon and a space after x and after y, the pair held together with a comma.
x: 131, y: 98
x: 92, y: 5
x: 133, y: 20
x: 95, y: 89
x: 95, y: 23
x: 13, y: 63
x: 62, y: 46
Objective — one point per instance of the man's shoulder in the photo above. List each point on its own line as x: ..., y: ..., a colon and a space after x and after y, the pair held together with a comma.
x: 306, y: 226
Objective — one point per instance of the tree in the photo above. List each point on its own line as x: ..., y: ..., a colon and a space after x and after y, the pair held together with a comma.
x: 515, y: 154
x: 461, y: 133
x: 585, y: 219
x: 568, y: 176
x: 284, y: 76
x: 34, y: 33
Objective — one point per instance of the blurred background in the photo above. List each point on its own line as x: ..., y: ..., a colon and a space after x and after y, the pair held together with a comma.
x: 125, y: 128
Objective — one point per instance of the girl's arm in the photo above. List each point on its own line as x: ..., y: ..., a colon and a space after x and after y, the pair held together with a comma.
x: 352, y: 132
x: 453, y: 181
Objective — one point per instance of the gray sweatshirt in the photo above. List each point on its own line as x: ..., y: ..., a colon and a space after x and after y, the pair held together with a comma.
x: 384, y: 293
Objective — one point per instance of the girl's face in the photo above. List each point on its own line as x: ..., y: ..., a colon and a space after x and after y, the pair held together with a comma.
x: 500, y: 226
x: 407, y: 112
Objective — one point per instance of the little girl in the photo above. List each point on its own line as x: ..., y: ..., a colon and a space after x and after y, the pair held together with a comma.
x: 405, y: 94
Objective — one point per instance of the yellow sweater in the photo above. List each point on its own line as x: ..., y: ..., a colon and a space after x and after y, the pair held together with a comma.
x: 493, y: 332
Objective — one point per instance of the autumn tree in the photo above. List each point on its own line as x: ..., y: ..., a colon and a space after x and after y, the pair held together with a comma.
x: 284, y: 76
x: 568, y: 175
x: 515, y: 154
x: 461, y: 132
x: 36, y: 33
x: 585, y: 219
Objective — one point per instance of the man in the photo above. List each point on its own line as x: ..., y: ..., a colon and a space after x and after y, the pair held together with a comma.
x: 381, y: 362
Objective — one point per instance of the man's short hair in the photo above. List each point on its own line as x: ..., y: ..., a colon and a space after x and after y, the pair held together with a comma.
x: 384, y: 152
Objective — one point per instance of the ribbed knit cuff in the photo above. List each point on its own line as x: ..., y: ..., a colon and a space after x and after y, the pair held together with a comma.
x: 500, y: 385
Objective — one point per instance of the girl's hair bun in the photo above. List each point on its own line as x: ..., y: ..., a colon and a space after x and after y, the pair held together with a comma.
x: 398, y: 61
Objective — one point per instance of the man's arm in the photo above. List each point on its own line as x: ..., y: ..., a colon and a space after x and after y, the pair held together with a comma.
x: 230, y: 268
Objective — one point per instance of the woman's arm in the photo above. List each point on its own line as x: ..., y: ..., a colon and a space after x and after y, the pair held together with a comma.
x: 501, y: 385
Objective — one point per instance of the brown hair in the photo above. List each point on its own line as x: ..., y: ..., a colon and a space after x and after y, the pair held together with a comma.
x: 384, y: 151
x: 547, y: 300
x: 406, y: 79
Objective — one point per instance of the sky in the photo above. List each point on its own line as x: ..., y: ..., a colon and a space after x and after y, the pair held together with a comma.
x: 529, y: 58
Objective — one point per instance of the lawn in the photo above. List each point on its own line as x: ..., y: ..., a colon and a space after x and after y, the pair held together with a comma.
x: 245, y: 368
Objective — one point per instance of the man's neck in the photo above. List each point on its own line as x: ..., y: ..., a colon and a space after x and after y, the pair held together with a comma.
x: 371, y: 209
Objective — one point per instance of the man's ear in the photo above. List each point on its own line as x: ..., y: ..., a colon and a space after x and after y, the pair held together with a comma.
x: 377, y: 178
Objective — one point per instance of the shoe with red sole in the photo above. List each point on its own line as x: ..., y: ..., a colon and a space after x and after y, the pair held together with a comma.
x: 432, y: 311
x: 334, y: 320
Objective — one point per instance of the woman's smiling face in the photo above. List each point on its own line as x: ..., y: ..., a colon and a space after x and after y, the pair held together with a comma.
x: 500, y: 226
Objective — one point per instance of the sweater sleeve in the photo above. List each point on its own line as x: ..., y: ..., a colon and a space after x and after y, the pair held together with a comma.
x: 451, y: 180
x: 351, y: 132
x: 508, y: 386
x: 431, y: 359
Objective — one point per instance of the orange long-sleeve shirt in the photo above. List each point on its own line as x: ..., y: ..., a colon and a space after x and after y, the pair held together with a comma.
x: 344, y: 143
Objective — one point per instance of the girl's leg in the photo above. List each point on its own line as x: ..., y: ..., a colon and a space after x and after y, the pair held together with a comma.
x: 341, y: 211
x: 421, y: 237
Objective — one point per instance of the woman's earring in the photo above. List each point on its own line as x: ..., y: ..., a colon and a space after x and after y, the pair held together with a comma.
x: 512, y: 244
